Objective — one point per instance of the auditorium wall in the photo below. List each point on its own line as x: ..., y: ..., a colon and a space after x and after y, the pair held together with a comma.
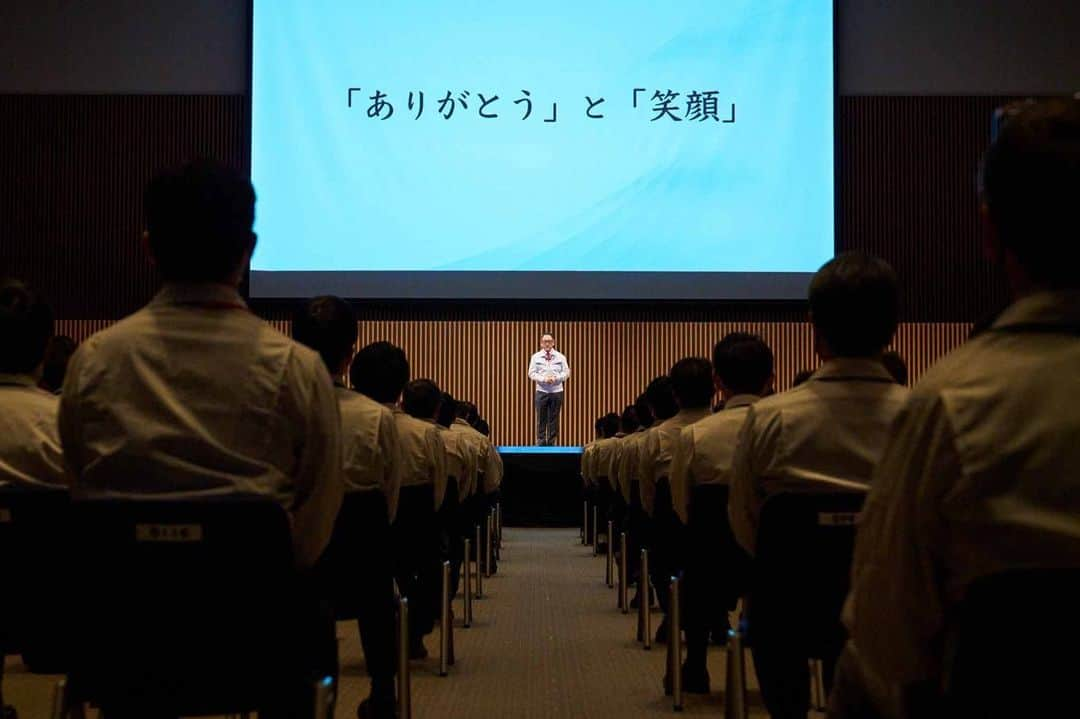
x: 94, y: 97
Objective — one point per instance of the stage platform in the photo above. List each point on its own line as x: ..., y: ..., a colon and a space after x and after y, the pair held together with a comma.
x: 541, y: 486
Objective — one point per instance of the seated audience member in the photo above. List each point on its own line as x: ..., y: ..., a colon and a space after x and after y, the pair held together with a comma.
x: 462, y: 459
x: 194, y: 396
x: 381, y: 372
x: 57, y: 355
x: 371, y: 474
x: 692, y: 390
x: 980, y: 475
x: 587, y: 476
x: 896, y: 366
x: 29, y: 441
x: 743, y: 369
x: 824, y: 435
x: 490, y: 471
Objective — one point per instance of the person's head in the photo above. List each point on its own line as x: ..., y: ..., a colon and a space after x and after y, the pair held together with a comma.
x: 609, y: 425
x: 421, y: 399
x: 854, y: 302
x: 896, y: 366
x: 1030, y: 184
x: 692, y: 382
x: 483, y: 427
x: 447, y: 410
x: 26, y: 324
x: 628, y: 421
x: 801, y: 376
x: 661, y: 399
x: 598, y: 428
x: 58, y: 353
x: 327, y: 325
x: 547, y: 342
x: 380, y: 371
x: 199, y: 222
x: 643, y: 411
x: 743, y: 364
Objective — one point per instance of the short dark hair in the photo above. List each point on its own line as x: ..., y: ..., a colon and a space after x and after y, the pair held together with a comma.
x: 327, y: 325
x: 26, y: 324
x: 380, y: 371
x: 421, y: 398
x: 483, y: 427
x: 661, y: 399
x: 199, y: 219
x: 692, y: 382
x: 854, y: 304
x: 743, y: 362
x: 896, y: 366
x: 628, y: 422
x: 447, y: 410
x: 58, y: 353
x: 609, y: 424
x: 644, y: 411
x: 801, y: 376
x: 1029, y: 180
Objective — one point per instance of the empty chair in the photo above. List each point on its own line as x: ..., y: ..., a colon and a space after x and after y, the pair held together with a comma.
x: 800, y: 578
x: 193, y: 608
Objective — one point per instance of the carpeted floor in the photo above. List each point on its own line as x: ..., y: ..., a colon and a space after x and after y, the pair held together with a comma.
x: 546, y: 641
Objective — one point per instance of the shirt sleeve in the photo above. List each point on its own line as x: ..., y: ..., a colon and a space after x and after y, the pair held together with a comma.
x: 895, y: 611
x: 565, y: 374
x: 494, y: 475
x: 437, y: 454
x: 743, y: 504
x: 390, y: 448
x: 536, y: 371
x: 648, y: 452
x: 679, y: 477
x: 318, y: 479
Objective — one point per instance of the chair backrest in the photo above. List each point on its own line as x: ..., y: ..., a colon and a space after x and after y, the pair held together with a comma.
x: 802, y: 564
x: 1011, y: 647
x: 184, y: 606
x: 33, y: 573
x: 356, y: 550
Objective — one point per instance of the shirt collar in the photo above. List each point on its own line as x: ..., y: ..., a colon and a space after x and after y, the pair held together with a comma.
x: 1060, y: 307
x: 19, y: 380
x: 741, y: 400
x: 694, y: 414
x: 199, y: 293
x: 842, y: 369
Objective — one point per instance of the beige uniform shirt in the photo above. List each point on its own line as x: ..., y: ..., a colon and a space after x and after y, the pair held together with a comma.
x: 29, y: 439
x: 195, y: 396
x: 462, y: 457
x: 586, y: 463
x: 603, y: 454
x: 423, y: 455
x: 981, y: 475
x: 704, y: 452
x: 489, y: 463
x: 657, y: 449
x: 826, y: 434
x: 370, y: 441
x: 626, y: 461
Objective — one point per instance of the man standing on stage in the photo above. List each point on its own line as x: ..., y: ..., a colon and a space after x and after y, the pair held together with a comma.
x: 548, y: 369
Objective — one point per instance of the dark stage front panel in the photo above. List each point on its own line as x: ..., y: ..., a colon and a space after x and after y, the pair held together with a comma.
x: 541, y: 486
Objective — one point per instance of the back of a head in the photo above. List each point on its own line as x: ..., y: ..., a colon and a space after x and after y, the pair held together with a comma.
x: 447, y: 410
x: 421, y: 399
x: 896, y: 366
x: 327, y: 325
x: 643, y: 411
x: 380, y: 371
x: 854, y: 304
x: 483, y: 427
x: 26, y: 324
x: 628, y: 421
x: 609, y: 425
x: 1031, y: 187
x: 58, y: 353
x: 692, y: 382
x: 661, y: 399
x: 461, y: 410
x: 743, y: 363
x: 801, y: 376
x: 199, y: 221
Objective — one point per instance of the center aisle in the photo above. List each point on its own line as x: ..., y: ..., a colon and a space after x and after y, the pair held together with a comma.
x: 546, y: 641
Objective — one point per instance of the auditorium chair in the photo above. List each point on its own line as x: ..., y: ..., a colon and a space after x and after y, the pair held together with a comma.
x: 1010, y: 648
x: 716, y: 567
x: 191, y: 608
x: 418, y: 553
x: 800, y: 576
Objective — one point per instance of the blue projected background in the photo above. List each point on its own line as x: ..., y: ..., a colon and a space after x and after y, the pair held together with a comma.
x: 725, y: 164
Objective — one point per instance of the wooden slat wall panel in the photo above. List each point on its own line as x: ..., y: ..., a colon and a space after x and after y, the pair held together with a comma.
x: 610, y: 362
